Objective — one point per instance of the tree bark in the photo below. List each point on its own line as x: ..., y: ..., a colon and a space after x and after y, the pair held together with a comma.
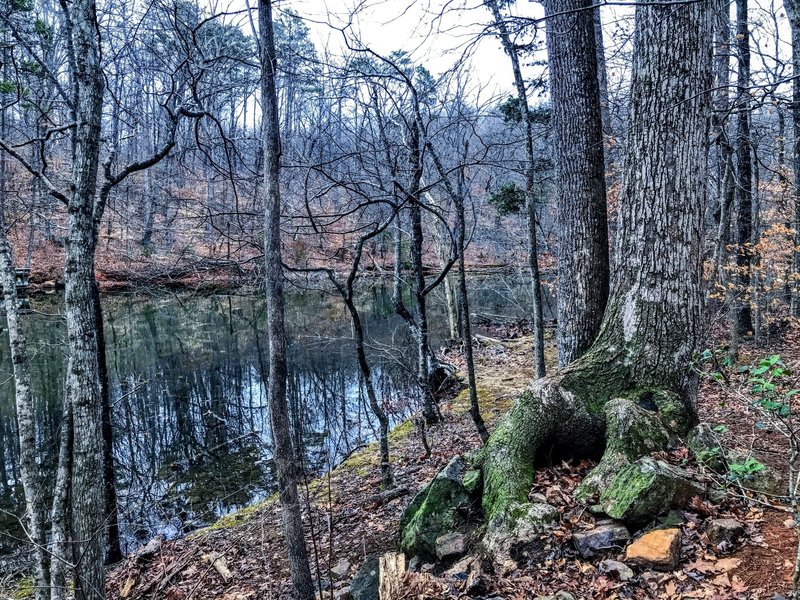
x: 32, y: 485
x: 530, y: 188
x: 743, y: 314
x: 793, y: 11
x: 286, y: 465
x: 82, y: 388
x: 580, y: 175
x: 633, y: 390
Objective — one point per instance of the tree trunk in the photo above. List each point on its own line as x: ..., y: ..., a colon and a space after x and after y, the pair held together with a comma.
x: 743, y: 320
x: 725, y: 170
x: 633, y: 390
x: 286, y: 465
x: 82, y: 384
x: 793, y: 11
x: 530, y: 188
x: 580, y: 176
x: 32, y: 485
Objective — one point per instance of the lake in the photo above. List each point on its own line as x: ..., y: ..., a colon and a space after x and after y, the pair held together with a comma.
x: 187, y: 377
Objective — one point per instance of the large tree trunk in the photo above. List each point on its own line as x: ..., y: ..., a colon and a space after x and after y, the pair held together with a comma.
x: 580, y: 176
x: 82, y: 384
x: 633, y: 390
x: 286, y: 465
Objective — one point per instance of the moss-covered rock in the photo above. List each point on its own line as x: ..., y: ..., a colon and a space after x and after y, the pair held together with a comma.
x: 647, y: 488
x: 515, y: 532
x: 433, y: 512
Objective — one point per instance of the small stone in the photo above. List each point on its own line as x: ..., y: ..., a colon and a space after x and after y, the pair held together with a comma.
x: 789, y: 524
x: 538, y: 498
x: 562, y: 595
x: 449, y: 545
x: 618, y: 569
x: 461, y: 569
x: 660, y: 549
x: 341, y: 568
x: 672, y: 519
x: 724, y: 530
x: 415, y: 564
x: 603, y: 537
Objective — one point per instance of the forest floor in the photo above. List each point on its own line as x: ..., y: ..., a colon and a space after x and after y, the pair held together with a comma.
x: 242, y: 556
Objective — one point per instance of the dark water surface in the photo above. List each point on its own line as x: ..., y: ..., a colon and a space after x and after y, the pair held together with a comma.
x: 187, y: 382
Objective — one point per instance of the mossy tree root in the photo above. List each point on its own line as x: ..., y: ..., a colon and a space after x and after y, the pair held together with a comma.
x: 583, y: 410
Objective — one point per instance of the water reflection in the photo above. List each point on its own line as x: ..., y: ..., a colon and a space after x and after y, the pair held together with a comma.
x: 187, y: 383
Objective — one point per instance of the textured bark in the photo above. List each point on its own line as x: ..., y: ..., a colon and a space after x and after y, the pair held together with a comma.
x: 286, y: 465
x: 743, y: 321
x: 580, y: 176
x: 793, y: 11
x: 24, y: 403
x: 530, y: 187
x: 82, y: 385
x: 633, y: 389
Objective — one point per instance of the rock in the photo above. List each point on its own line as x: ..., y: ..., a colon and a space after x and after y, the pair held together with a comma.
x: 432, y: 512
x: 616, y: 569
x: 603, y: 537
x: 341, y: 568
x: 660, y: 549
x: 450, y: 545
x: 724, y: 530
x: 704, y: 445
x: 647, y: 488
x: 561, y: 595
x: 461, y: 569
x: 415, y: 564
x: 673, y: 518
x: 517, y: 533
x: 789, y: 524
x: 365, y: 583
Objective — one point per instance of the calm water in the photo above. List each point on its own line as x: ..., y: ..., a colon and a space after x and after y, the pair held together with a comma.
x: 187, y: 382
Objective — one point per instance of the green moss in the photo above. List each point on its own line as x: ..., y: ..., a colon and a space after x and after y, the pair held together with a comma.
x: 472, y: 481
x: 239, y: 517
x: 366, y: 457
x: 24, y: 589
x: 433, y: 511
x: 508, y: 457
x: 646, y: 489
x: 402, y: 431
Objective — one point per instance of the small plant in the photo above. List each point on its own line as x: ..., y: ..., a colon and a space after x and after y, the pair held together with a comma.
x: 770, y: 389
x: 509, y: 199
